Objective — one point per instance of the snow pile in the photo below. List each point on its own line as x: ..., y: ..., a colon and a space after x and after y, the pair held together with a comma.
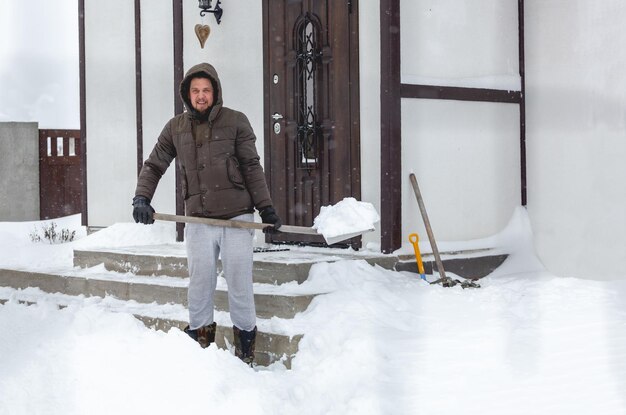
x: 348, y: 217
x: 83, y: 360
x: 18, y: 251
x: 130, y: 234
x: 381, y: 342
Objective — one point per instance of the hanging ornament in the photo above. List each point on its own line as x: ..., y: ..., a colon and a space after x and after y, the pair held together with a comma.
x: 202, y: 31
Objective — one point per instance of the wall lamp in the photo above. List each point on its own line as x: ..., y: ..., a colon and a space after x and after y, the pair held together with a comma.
x: 205, y: 7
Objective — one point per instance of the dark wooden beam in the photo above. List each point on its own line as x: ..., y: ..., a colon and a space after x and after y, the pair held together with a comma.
x: 138, y: 86
x: 522, y: 103
x: 355, y: 99
x: 178, y: 105
x: 83, y: 109
x: 267, y: 149
x: 460, y: 93
x: 178, y: 53
x: 390, y: 126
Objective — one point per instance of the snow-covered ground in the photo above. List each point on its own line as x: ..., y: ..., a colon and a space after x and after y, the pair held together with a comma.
x: 380, y: 342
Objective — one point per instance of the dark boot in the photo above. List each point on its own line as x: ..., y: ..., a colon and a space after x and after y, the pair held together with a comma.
x: 204, y: 335
x: 244, y: 344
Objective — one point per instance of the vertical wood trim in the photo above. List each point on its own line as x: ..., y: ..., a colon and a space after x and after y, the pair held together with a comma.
x: 266, y: 95
x: 83, y: 109
x: 390, y: 125
x: 355, y: 100
x: 178, y: 53
x: 522, y: 104
x: 178, y: 105
x: 138, y: 85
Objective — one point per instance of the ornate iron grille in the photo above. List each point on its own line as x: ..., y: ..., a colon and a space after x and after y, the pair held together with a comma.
x: 308, y: 57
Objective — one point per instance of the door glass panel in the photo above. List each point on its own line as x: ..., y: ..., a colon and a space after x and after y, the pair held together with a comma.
x: 307, y: 61
x: 72, y: 150
x: 60, y: 146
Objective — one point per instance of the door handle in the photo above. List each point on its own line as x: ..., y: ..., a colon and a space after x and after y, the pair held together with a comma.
x: 276, y: 116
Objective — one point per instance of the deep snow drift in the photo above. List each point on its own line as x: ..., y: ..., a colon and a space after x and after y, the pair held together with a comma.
x: 380, y: 342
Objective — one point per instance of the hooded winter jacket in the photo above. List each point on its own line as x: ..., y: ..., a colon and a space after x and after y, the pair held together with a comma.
x: 221, y: 173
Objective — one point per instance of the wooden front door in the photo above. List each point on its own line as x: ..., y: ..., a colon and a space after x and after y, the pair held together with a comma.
x: 311, y: 108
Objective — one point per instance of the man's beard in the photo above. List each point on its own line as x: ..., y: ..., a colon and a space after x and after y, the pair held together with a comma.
x: 204, y: 115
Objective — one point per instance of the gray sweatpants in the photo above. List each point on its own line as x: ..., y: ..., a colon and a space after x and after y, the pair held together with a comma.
x: 204, y: 245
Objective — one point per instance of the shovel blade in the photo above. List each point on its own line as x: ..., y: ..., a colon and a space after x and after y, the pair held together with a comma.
x: 330, y: 240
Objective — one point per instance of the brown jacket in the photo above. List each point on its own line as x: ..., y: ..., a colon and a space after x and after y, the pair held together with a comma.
x: 221, y: 173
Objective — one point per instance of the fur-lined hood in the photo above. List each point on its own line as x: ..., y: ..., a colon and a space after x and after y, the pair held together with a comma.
x: 209, y: 71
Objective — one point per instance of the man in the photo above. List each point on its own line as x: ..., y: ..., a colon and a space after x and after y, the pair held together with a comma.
x: 221, y: 178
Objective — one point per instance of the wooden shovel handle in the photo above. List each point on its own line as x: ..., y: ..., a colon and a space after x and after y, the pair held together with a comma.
x: 229, y: 223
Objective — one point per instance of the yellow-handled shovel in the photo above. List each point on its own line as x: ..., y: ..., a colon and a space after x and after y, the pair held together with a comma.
x: 414, y: 239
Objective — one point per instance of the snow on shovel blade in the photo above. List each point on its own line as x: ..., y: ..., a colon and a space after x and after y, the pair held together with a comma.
x: 345, y: 220
x: 330, y: 240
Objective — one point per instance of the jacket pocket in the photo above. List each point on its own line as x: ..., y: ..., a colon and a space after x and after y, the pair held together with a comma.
x: 234, y: 174
x: 183, y: 184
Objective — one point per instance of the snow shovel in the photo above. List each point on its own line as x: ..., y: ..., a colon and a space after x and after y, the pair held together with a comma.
x: 445, y: 281
x: 229, y: 223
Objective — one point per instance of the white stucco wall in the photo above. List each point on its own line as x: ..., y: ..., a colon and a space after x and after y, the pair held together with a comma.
x: 470, y: 43
x: 576, y: 132
x: 369, y: 90
x: 235, y: 49
x: 157, y: 61
x: 111, y: 121
x: 465, y: 155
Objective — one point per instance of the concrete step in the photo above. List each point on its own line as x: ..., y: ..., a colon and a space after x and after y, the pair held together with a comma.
x: 282, y: 267
x: 274, y: 267
x: 270, y: 347
x: 158, y: 274
x: 161, y: 290
x: 473, y: 264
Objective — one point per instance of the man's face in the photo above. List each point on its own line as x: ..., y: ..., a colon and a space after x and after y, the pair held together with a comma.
x: 201, y: 94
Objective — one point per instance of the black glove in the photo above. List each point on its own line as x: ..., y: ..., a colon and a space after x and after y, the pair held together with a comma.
x: 142, y: 211
x: 268, y: 215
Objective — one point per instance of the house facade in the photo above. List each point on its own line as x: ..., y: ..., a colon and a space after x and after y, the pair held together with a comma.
x: 492, y: 104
